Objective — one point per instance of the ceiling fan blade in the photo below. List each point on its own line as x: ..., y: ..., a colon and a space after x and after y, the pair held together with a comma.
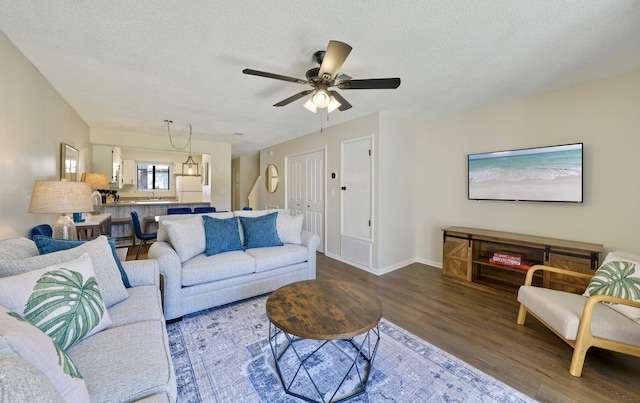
x: 274, y: 76
x: 370, y: 84
x: 293, y: 98
x: 334, y: 57
x: 344, y: 105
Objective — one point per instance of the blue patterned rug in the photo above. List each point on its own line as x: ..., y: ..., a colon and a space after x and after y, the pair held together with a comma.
x: 223, y: 355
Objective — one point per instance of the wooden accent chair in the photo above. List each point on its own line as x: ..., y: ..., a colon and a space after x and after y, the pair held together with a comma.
x: 580, y: 321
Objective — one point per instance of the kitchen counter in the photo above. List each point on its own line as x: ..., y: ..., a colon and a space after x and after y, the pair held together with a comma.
x: 144, y: 208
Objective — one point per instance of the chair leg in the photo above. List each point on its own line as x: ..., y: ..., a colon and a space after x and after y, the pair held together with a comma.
x: 577, y: 360
x: 139, y: 248
x: 522, y: 315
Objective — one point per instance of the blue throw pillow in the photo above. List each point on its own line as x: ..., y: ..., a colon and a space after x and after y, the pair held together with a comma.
x: 260, y: 232
x: 46, y: 245
x: 221, y: 235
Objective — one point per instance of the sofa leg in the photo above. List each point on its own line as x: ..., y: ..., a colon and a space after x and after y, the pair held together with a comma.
x: 174, y: 320
x: 577, y: 360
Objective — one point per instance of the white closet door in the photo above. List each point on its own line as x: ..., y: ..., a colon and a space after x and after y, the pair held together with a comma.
x: 305, y: 190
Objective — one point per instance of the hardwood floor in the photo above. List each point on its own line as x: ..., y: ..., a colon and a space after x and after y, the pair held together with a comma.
x: 481, y: 329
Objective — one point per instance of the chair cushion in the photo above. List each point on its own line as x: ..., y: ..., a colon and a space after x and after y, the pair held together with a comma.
x: 107, y: 273
x: 17, y: 248
x: 111, y: 359
x: 21, y: 338
x: 21, y: 381
x: 618, y: 276
x: 205, y: 269
x: 260, y: 232
x: 278, y: 256
x: 47, y: 244
x: 563, y: 310
x: 62, y: 300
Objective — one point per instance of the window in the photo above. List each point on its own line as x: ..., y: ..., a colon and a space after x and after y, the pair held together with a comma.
x: 153, y: 176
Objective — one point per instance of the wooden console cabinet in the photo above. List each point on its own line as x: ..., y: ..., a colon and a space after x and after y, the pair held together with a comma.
x: 467, y: 253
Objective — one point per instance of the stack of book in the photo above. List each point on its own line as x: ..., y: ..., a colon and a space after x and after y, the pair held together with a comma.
x: 511, y: 259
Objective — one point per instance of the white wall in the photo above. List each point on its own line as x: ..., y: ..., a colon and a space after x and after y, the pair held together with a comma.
x: 603, y: 115
x: 34, y: 120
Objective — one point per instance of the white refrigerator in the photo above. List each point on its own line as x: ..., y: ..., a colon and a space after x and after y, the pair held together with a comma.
x: 189, y: 188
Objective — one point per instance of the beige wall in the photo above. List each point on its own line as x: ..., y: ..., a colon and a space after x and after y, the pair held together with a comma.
x: 34, y: 120
x: 247, y: 168
x: 603, y: 115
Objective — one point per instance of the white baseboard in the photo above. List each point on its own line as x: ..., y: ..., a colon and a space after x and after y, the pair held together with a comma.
x: 384, y: 270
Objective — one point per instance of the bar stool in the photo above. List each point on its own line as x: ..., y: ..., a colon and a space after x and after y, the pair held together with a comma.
x: 143, y: 237
x: 124, y: 230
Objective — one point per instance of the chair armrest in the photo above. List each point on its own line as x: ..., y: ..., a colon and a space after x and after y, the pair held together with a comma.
x: 528, y: 280
x: 142, y: 272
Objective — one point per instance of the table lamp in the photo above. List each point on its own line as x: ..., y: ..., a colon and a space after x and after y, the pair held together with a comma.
x: 97, y: 182
x: 62, y: 198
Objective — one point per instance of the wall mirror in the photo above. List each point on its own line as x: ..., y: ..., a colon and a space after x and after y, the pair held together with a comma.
x: 69, y: 157
x: 271, y: 178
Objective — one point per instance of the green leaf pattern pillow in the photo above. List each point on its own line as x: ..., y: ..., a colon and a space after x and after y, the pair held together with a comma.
x: 618, y: 276
x: 65, y: 305
x: 63, y: 300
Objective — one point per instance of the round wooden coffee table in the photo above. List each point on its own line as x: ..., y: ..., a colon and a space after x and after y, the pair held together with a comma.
x: 323, y: 333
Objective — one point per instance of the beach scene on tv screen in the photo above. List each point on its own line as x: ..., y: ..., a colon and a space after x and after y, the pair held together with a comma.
x: 535, y: 174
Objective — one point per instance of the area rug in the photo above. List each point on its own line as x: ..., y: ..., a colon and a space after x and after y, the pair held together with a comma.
x: 223, y: 355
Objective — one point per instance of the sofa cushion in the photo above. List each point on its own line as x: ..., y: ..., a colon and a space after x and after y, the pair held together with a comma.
x: 618, y: 276
x: 62, y: 300
x: 278, y: 256
x: 260, y: 232
x: 21, y: 338
x: 162, y: 235
x: 221, y: 235
x: 126, y: 363
x: 144, y: 303
x: 187, y: 237
x: 21, y: 381
x: 563, y: 310
x: 47, y: 244
x: 107, y: 273
x: 290, y: 228
x: 17, y: 248
x: 205, y: 269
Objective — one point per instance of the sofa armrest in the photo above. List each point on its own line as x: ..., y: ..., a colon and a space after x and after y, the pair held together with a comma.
x: 170, y: 267
x: 311, y: 241
x: 142, y: 272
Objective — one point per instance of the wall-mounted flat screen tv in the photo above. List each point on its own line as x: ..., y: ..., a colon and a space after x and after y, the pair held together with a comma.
x: 543, y: 174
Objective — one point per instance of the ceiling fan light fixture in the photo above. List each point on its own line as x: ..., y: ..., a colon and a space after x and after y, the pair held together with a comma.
x: 310, y: 106
x: 321, y: 98
x: 333, y: 104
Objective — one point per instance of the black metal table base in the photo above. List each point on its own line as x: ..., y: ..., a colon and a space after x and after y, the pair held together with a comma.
x: 299, y: 364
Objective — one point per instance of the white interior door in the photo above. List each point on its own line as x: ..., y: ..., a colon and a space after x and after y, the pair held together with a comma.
x: 356, y: 188
x: 305, y: 190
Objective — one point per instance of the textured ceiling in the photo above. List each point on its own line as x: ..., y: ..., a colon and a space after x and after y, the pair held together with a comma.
x: 128, y: 65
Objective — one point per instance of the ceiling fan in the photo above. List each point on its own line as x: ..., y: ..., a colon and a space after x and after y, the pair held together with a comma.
x: 325, y: 77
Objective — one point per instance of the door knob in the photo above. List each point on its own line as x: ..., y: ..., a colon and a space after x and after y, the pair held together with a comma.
x: 344, y: 188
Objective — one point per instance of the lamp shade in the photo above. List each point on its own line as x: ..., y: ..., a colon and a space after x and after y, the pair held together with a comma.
x: 60, y: 197
x: 96, y: 180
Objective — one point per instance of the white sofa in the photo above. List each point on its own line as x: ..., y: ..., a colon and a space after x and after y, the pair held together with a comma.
x: 194, y: 281
x: 128, y: 361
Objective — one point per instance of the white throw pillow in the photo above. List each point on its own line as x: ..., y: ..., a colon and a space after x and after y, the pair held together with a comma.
x: 62, y: 300
x: 21, y: 338
x: 187, y: 237
x: 618, y: 276
x: 290, y: 228
x: 104, y: 265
